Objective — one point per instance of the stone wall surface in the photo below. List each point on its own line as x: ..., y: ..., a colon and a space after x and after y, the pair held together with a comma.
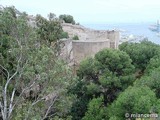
x: 84, y: 49
x: 67, y: 50
x: 90, y: 42
x: 78, y: 30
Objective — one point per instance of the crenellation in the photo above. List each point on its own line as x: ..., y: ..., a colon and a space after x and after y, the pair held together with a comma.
x: 90, y: 42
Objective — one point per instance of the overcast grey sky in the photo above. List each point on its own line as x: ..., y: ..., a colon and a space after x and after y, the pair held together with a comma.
x: 93, y: 11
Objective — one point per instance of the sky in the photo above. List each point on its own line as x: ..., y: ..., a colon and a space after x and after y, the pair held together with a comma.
x: 93, y: 11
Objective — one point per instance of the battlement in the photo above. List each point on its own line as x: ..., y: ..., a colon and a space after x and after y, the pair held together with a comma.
x: 87, y: 34
x: 90, y: 42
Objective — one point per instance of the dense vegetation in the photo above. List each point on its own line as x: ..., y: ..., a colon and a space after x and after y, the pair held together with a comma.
x: 36, y: 84
x: 116, y: 82
x: 33, y: 79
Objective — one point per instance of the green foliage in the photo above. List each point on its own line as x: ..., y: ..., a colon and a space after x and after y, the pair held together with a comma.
x: 140, y: 53
x: 30, y: 69
x: 133, y: 100
x: 112, y: 60
x: 64, y: 35
x: 157, y: 106
x: 79, y: 107
x: 48, y: 30
x: 32, y: 72
x: 75, y: 37
x: 67, y: 18
x: 52, y: 16
x: 153, y: 64
x: 92, y: 88
x: 22, y: 109
x: 53, y: 77
x: 118, y: 63
x: 96, y: 110
x: 58, y: 118
x: 14, y: 28
x: 109, y: 73
x: 152, y: 80
x: 109, y: 80
x: 90, y: 71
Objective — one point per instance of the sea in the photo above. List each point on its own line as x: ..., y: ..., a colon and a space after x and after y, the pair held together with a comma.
x: 129, y: 29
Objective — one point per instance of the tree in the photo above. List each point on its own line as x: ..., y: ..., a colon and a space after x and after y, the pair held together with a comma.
x: 108, y: 74
x: 115, y: 75
x: 153, y: 64
x: 81, y: 89
x: 115, y: 61
x: 133, y: 100
x: 107, y: 60
x: 96, y: 110
x: 79, y: 107
x: 49, y: 31
x: 67, y: 18
x: 90, y: 72
x: 34, y: 81
x: 140, y: 53
x: 152, y: 80
x: 52, y: 16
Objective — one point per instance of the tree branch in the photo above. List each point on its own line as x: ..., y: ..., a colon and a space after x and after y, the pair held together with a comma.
x: 22, y: 94
x: 11, y: 103
x: 5, y: 111
x: 6, y: 71
x: 53, y: 101
x: 2, y: 109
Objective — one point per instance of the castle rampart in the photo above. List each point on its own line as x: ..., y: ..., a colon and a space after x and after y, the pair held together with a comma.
x: 90, y: 42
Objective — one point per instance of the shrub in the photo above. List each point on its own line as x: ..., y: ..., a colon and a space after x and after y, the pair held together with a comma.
x: 75, y: 37
x: 67, y: 18
x: 64, y: 35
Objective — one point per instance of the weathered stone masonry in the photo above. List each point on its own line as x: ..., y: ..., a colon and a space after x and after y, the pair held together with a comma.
x: 91, y: 42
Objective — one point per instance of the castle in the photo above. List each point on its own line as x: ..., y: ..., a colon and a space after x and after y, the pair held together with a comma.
x: 90, y: 42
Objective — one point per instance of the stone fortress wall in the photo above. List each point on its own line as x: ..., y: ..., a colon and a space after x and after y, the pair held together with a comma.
x: 90, y: 42
x: 83, y: 49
